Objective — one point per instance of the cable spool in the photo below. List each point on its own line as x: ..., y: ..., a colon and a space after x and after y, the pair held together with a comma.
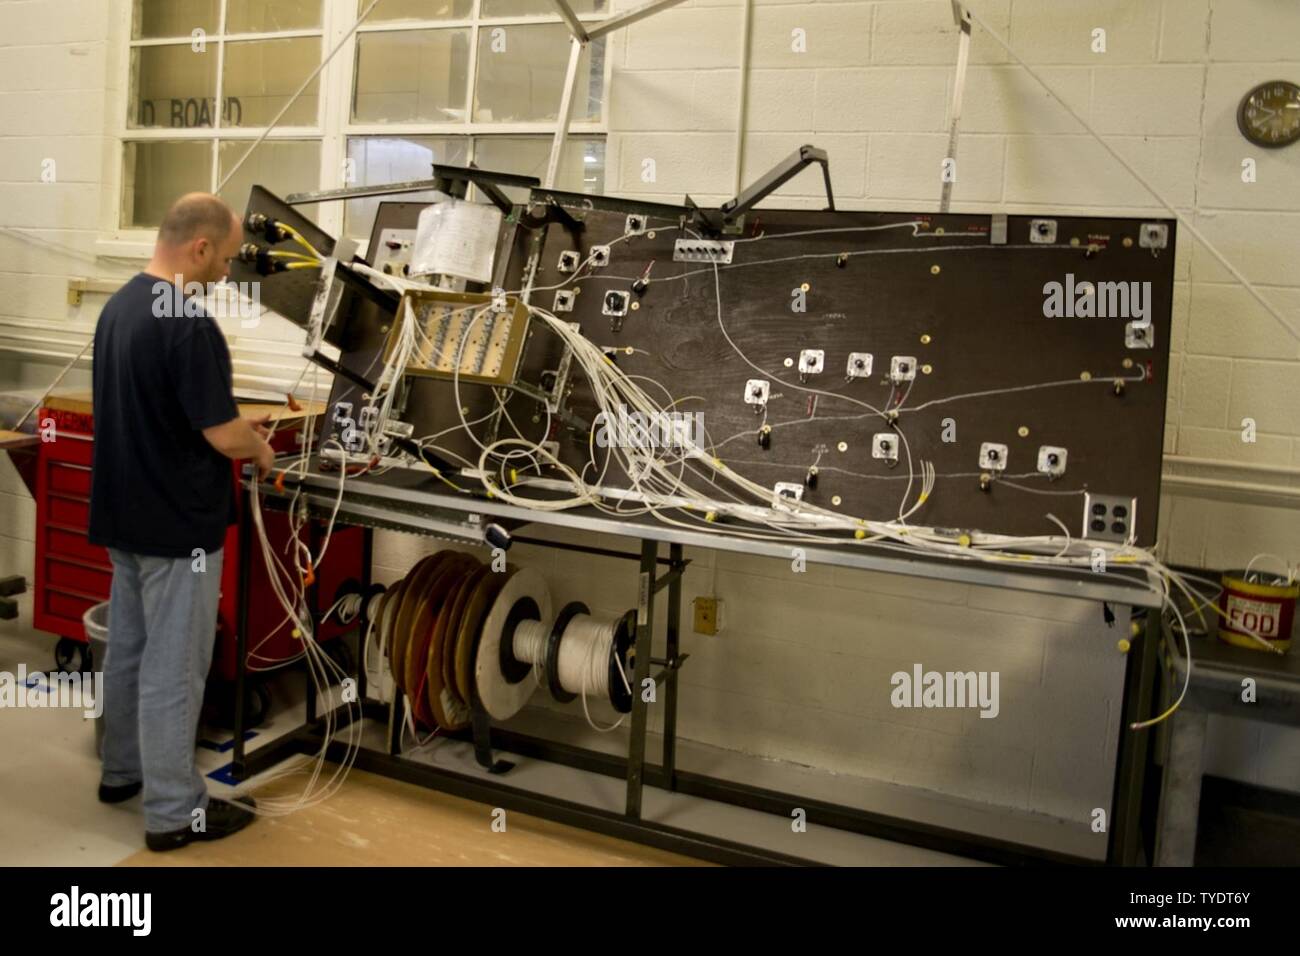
x: 427, y: 607
x: 514, y: 637
x: 592, y: 658
x: 552, y: 655
x: 471, y: 632
x: 400, y: 633
x: 449, y: 711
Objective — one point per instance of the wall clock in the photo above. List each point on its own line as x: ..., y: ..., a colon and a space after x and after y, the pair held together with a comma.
x: 1269, y: 115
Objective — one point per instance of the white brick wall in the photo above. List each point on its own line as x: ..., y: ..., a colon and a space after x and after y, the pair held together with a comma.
x: 801, y: 671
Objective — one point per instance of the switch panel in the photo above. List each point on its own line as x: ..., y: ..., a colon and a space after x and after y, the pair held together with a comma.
x: 702, y: 250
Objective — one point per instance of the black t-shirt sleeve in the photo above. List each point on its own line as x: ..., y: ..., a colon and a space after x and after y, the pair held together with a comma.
x: 200, y: 367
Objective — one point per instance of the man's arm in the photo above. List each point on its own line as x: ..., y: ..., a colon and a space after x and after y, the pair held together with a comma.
x: 239, y: 438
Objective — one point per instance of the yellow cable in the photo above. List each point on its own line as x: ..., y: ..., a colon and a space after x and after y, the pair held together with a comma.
x: 297, y: 237
x: 303, y: 265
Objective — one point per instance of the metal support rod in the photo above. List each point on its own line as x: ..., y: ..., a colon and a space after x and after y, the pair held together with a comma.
x: 670, y: 684
x: 566, y: 112
x: 641, y: 673
x: 314, y: 615
x: 396, y: 720
x: 571, y: 19
x: 672, y: 577
x: 367, y: 579
x: 245, y: 555
x: 958, y: 86
x: 742, y: 108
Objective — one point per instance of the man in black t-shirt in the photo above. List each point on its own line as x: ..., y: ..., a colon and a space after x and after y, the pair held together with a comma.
x: 162, y: 496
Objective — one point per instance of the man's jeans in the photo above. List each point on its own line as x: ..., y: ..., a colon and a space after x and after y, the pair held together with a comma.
x: 161, y: 630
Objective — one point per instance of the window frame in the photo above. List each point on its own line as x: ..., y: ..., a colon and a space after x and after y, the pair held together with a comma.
x: 335, y: 125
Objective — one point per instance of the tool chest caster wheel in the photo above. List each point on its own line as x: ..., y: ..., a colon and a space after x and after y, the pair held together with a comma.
x: 71, y: 656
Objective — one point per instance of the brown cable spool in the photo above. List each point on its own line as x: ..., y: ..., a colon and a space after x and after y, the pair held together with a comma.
x: 392, y: 600
x: 471, y: 630
x: 417, y: 653
x: 449, y: 711
x: 453, y: 700
x: 416, y: 582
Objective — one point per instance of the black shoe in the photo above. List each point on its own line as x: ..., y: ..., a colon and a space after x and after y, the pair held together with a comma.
x: 223, y: 818
x: 110, y: 794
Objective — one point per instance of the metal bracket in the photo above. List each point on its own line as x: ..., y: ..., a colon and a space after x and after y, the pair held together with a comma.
x: 552, y: 211
x: 771, y: 181
x: 445, y: 180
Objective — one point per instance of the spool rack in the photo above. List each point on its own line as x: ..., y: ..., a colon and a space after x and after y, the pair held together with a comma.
x: 371, y: 504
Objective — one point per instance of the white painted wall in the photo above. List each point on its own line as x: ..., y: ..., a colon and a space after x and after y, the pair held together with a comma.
x: 801, y: 671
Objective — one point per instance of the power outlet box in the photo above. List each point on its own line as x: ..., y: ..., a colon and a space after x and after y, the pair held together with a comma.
x: 708, y: 615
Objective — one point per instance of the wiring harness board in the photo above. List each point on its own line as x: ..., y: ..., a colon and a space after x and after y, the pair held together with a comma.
x: 828, y: 354
x: 832, y: 372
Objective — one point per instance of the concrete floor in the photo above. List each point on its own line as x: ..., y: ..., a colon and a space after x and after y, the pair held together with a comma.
x: 49, y: 814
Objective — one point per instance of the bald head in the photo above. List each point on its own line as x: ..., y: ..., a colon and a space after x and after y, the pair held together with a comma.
x: 196, y: 216
x: 197, y: 239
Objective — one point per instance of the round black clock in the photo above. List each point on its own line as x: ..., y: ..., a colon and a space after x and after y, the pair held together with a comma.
x: 1269, y: 114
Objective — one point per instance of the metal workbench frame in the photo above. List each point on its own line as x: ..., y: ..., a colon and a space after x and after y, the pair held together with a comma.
x: 374, y: 504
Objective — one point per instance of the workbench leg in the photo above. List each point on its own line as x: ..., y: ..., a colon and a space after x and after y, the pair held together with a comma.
x: 1134, y: 746
x: 237, y: 766
x: 367, y: 555
x: 395, y: 722
x: 641, y: 673
x: 1180, y: 796
x: 674, y: 624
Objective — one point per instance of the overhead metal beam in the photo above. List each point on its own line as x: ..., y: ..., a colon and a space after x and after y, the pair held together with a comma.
x: 575, y: 25
x: 633, y: 15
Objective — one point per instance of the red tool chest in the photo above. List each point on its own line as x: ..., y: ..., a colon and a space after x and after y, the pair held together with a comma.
x: 73, y: 575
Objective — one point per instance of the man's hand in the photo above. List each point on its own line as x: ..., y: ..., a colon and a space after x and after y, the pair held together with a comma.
x: 262, y: 426
x: 265, y: 460
x: 239, y: 439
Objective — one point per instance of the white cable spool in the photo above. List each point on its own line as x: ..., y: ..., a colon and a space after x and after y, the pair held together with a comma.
x: 584, y: 655
x: 504, y: 678
x: 589, y: 658
x: 530, y: 642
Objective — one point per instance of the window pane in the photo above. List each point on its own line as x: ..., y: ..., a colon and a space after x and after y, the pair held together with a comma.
x: 156, y: 174
x: 521, y: 74
x: 261, y: 75
x: 174, y: 18
x: 418, y: 10
x: 268, y: 16
x: 582, y: 164
x: 414, y: 75
x: 282, y: 166
x: 525, y: 8
x: 383, y: 159
x: 172, y: 86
